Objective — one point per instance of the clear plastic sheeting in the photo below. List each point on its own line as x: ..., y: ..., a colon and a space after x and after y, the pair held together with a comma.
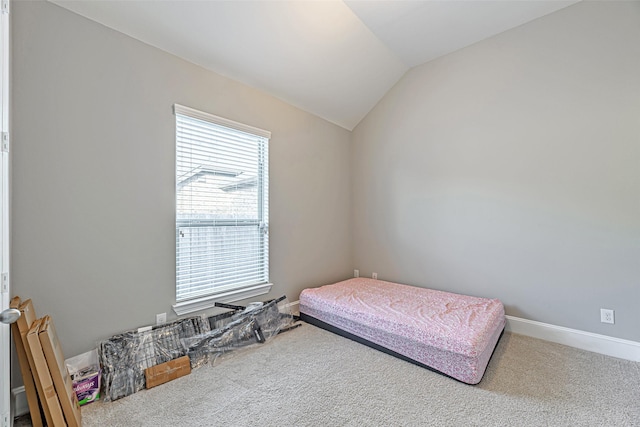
x: 257, y: 323
x: 124, y: 357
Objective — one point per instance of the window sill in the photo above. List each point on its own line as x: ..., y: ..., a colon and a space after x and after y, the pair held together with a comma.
x: 191, y: 306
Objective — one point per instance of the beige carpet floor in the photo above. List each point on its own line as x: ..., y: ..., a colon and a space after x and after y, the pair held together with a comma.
x: 310, y: 377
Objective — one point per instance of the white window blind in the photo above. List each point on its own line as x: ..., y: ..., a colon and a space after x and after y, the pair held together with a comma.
x: 222, y: 200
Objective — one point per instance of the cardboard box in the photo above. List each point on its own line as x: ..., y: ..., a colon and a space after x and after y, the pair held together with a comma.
x: 167, y: 371
x: 25, y: 368
x: 25, y: 322
x: 47, y: 390
x: 59, y: 373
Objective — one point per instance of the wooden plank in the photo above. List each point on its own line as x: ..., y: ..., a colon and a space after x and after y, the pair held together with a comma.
x: 24, y: 323
x: 59, y: 373
x: 25, y: 368
x: 49, y: 397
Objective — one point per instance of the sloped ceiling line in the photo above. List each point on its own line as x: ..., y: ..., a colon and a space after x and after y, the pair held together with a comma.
x: 335, y: 59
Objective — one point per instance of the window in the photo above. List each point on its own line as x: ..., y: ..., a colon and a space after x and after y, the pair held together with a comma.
x: 222, y: 215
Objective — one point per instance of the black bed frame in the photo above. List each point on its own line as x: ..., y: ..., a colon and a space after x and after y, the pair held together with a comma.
x: 319, y: 323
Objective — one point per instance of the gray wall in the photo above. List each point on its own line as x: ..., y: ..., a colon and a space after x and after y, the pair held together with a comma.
x: 93, y: 176
x: 508, y: 169
x: 511, y: 169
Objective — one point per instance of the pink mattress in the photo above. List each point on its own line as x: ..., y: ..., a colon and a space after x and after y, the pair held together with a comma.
x: 451, y: 333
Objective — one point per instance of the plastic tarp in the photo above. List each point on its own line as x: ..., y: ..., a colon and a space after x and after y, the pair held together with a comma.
x: 124, y: 357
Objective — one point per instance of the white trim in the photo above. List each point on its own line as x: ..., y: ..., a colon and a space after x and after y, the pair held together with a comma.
x: 207, y: 302
x: 5, y: 331
x: 603, y: 344
x: 20, y: 404
x: 201, y: 115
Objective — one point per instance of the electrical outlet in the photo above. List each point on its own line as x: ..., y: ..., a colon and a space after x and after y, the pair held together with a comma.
x: 606, y: 316
x: 374, y: 275
x: 356, y: 273
x: 161, y: 318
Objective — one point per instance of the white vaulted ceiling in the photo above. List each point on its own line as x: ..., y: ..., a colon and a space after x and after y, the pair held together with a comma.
x: 332, y: 58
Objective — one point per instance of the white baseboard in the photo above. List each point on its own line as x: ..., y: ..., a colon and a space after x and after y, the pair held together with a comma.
x: 597, y: 343
x: 603, y: 344
x: 20, y: 404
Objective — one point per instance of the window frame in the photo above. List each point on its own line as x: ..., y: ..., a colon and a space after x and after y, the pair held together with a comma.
x: 227, y: 293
